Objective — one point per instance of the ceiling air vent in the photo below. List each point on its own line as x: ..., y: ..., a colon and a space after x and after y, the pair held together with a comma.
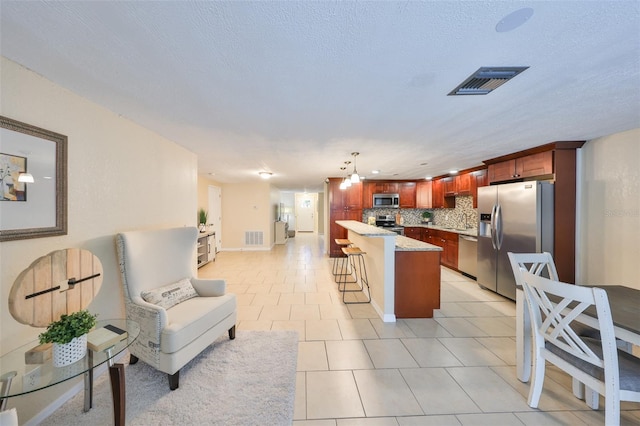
x: 485, y: 80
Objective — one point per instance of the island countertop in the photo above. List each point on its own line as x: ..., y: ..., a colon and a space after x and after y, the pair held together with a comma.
x: 402, y: 243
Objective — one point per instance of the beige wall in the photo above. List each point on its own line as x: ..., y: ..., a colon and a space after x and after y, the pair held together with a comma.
x: 120, y: 177
x: 609, y: 231
x: 248, y: 207
x: 203, y: 192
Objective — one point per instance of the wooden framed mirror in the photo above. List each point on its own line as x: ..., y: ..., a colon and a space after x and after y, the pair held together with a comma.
x: 39, y: 208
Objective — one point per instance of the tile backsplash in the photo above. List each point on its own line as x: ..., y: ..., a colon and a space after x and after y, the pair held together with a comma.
x: 454, y: 218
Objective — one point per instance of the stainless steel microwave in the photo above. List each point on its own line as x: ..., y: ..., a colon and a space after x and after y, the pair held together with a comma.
x: 391, y: 201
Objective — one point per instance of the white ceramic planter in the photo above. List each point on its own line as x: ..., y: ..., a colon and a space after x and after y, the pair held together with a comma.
x: 68, y: 353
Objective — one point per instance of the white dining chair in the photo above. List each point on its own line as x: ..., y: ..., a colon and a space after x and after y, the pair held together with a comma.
x: 598, y: 364
x: 542, y: 264
x: 536, y: 263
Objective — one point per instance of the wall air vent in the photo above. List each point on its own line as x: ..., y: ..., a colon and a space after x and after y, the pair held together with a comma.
x: 485, y: 80
x: 253, y: 238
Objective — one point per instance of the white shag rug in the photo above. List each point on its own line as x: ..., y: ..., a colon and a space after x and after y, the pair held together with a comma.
x: 247, y: 381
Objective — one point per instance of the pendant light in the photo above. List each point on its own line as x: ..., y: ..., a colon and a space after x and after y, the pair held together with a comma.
x: 347, y: 180
x: 343, y: 184
x: 355, y: 178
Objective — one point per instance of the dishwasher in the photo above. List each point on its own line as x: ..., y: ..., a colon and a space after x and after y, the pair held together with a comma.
x: 468, y: 255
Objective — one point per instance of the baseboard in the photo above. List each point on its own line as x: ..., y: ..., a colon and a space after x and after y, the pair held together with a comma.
x: 79, y: 387
x: 247, y: 249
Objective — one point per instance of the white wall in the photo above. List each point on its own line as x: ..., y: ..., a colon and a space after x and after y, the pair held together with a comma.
x: 608, y: 250
x: 120, y: 177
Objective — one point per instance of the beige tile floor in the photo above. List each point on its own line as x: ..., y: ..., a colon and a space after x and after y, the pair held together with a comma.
x: 457, y: 368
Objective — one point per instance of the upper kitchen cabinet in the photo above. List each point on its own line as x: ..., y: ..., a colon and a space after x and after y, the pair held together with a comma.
x: 407, y: 195
x: 387, y: 188
x: 368, y: 189
x: 438, y: 200
x: 423, y: 195
x: 532, y: 165
x: 457, y: 185
x: 344, y: 199
x: 463, y: 184
x: 478, y: 178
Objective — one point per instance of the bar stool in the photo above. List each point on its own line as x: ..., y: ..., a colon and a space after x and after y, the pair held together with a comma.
x: 354, y: 254
x: 338, y: 269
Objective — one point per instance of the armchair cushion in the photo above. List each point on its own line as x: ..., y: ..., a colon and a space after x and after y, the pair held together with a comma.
x: 170, y: 295
x: 189, y: 320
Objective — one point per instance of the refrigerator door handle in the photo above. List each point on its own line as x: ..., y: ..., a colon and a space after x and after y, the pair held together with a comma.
x: 499, y: 227
x: 493, y: 227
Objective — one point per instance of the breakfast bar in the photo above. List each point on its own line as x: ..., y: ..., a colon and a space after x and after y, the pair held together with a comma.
x: 403, y: 273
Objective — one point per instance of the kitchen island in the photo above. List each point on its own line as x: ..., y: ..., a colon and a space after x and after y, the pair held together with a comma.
x: 404, y: 273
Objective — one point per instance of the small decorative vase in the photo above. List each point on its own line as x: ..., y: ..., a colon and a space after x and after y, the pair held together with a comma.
x: 203, y: 227
x: 68, y: 353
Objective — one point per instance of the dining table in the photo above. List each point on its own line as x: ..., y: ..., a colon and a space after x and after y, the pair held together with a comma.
x: 625, y: 313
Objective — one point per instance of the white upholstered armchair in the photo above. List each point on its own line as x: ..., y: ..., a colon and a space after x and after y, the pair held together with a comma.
x: 179, y: 315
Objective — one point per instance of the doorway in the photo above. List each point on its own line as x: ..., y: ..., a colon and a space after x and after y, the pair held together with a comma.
x: 305, y: 211
x: 215, y: 214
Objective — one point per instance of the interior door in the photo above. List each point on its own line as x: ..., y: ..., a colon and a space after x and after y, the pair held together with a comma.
x: 305, y: 212
x: 215, y: 215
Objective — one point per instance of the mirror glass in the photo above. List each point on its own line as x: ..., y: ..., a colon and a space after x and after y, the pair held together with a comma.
x: 32, y: 209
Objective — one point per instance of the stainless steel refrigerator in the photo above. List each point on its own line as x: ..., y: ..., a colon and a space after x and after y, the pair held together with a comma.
x: 516, y: 217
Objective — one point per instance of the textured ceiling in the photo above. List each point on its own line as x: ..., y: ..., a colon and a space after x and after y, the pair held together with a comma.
x: 295, y: 87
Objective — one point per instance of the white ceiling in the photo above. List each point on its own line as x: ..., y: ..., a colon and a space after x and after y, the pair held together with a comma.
x: 294, y: 87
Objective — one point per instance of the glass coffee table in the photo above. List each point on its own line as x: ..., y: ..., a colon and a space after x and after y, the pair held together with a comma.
x: 19, y: 378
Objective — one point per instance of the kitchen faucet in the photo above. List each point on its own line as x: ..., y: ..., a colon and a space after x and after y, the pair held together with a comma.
x: 464, y: 217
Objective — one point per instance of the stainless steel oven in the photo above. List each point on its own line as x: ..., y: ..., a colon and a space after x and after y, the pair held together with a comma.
x: 388, y: 222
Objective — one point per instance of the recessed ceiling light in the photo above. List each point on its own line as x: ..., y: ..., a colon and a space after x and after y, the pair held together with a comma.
x: 428, y: 177
x: 375, y: 172
x: 265, y: 175
x: 453, y: 172
x: 514, y: 20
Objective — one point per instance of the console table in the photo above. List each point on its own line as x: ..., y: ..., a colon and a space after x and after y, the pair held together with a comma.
x: 19, y: 378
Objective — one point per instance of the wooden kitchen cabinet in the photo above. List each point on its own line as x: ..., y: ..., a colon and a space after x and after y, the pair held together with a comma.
x: 539, y: 164
x: 431, y: 236
x: 439, y: 201
x: 478, y: 178
x: 387, y: 188
x: 463, y: 184
x: 407, y: 195
x: 449, y: 243
x: 344, y: 204
x: 457, y: 185
x: 353, y: 196
x: 423, y: 195
x: 450, y: 250
x: 417, y: 284
x: 449, y: 186
x: 414, y: 232
x: 337, y: 231
x: 368, y: 189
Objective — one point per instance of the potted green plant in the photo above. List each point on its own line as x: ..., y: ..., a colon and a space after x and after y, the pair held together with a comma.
x: 426, y: 216
x: 69, y: 337
x: 202, y: 218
